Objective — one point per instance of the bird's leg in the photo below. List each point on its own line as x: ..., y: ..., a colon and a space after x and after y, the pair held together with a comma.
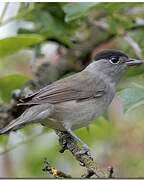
x: 86, y: 148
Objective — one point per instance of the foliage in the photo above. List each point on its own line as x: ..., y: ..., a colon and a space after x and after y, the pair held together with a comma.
x: 12, y: 44
x: 10, y: 83
x: 74, y: 11
x: 137, y: 97
x: 68, y: 24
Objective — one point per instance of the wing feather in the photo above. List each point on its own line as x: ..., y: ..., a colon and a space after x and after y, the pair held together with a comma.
x: 68, y: 89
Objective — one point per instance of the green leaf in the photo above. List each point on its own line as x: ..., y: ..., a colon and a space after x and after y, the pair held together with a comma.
x: 134, y: 79
x: 12, y: 44
x: 9, y: 83
x: 76, y: 10
x: 118, y: 23
x: 4, y: 140
x: 134, y: 72
x: 113, y: 7
x: 53, y: 27
x: 132, y: 97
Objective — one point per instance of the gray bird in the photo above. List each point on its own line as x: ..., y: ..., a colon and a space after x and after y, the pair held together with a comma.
x: 77, y: 100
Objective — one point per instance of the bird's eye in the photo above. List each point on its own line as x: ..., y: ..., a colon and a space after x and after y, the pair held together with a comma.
x: 114, y: 60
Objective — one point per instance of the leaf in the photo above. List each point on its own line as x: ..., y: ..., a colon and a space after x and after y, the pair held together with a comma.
x: 134, y: 71
x: 132, y: 97
x: 135, y: 80
x: 118, y: 23
x: 12, y: 44
x: 74, y: 11
x: 4, y: 140
x: 9, y: 83
x: 113, y: 7
x: 53, y: 27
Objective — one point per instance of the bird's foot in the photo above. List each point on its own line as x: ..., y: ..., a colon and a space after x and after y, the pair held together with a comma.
x: 86, y: 150
x: 83, y: 151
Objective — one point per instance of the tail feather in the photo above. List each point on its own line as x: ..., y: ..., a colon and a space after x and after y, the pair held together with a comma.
x: 6, y: 129
x: 31, y: 115
x: 14, y: 125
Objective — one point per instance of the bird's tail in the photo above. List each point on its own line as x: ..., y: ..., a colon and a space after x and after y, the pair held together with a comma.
x: 31, y: 115
x: 14, y: 125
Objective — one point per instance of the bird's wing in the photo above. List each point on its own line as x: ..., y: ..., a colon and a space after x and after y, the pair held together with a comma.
x: 80, y: 86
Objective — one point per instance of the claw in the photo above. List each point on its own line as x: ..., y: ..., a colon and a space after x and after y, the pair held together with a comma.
x: 86, y: 149
x: 83, y: 151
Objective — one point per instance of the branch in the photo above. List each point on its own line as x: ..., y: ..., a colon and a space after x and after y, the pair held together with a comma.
x: 67, y: 142
x: 53, y: 171
x: 133, y: 44
x: 99, y: 24
x: 104, y: 26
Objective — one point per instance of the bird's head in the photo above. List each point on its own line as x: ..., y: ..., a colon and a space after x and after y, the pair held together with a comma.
x: 113, y: 63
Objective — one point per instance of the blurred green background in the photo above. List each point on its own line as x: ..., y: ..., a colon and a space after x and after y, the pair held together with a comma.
x: 33, y: 33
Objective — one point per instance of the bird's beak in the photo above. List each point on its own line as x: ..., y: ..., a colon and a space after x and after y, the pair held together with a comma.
x: 133, y: 62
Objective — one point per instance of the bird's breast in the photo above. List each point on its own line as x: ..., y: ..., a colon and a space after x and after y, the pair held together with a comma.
x: 74, y: 115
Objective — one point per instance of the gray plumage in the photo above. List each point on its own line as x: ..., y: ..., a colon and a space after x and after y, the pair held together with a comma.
x: 76, y: 101
x: 60, y: 106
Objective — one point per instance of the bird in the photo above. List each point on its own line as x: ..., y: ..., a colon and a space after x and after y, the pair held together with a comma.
x: 76, y: 101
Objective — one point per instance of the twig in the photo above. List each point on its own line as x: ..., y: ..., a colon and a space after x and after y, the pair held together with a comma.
x: 88, y: 175
x: 133, y: 44
x: 100, y: 24
x: 110, y: 171
x: 53, y: 171
x: 68, y: 142
x: 126, y: 37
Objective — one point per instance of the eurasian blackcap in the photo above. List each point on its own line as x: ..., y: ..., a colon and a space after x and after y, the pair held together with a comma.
x: 77, y: 100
